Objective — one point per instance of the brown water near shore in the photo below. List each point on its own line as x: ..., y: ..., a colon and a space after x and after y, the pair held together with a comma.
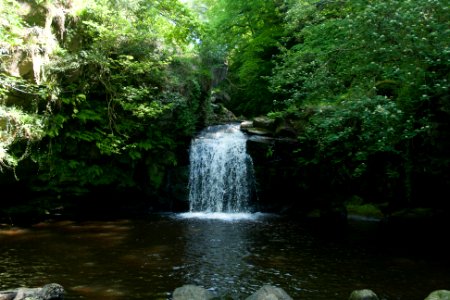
x: 149, y: 258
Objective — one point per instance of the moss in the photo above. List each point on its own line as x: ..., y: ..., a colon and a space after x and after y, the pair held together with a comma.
x: 366, y: 210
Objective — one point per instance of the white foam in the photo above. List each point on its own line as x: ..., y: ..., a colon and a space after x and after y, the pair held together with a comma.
x: 220, y: 216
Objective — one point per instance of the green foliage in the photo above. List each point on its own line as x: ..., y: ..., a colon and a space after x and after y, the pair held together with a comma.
x: 20, y: 126
x: 245, y: 35
x: 16, y: 124
x: 356, y: 51
x: 11, y: 25
x: 126, y: 95
x: 375, y: 73
x: 347, y: 134
x: 119, y: 100
x: 125, y: 89
x: 16, y: 127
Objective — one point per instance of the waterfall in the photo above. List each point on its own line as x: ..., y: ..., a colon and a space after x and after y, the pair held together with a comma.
x: 221, y: 171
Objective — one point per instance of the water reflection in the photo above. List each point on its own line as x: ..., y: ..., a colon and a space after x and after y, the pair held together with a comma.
x: 224, y: 254
x: 148, y: 259
x: 215, y: 252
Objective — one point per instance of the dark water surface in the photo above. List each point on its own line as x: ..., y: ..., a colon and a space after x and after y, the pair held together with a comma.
x: 148, y: 259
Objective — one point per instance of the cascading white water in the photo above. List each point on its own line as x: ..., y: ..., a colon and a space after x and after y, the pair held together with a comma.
x: 221, y: 172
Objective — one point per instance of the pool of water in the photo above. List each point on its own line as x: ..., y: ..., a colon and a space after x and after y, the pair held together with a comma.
x: 230, y: 256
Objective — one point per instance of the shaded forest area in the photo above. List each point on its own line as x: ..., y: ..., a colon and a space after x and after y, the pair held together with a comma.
x: 99, y: 99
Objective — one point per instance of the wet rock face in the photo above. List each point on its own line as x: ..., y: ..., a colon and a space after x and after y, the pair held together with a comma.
x: 273, y: 164
x: 274, y: 171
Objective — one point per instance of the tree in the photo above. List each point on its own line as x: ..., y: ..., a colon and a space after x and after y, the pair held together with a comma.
x: 376, y: 75
x: 246, y: 34
x: 119, y: 97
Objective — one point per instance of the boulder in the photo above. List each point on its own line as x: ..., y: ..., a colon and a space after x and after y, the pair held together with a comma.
x: 364, y: 294
x: 191, y: 292
x: 52, y: 291
x: 268, y: 292
x: 439, y: 295
x: 264, y: 122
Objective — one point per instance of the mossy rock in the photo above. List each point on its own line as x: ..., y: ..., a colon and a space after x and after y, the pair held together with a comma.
x: 439, y: 295
x: 365, y: 210
x: 364, y: 294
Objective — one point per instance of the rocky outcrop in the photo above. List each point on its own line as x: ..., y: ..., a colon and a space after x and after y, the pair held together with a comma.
x: 274, y: 171
x: 273, y: 165
x: 220, y: 115
x: 52, y: 291
x: 277, y: 128
x: 276, y: 153
x: 250, y: 128
x: 28, y: 60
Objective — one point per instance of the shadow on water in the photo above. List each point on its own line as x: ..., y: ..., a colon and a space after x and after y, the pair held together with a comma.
x: 148, y: 259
